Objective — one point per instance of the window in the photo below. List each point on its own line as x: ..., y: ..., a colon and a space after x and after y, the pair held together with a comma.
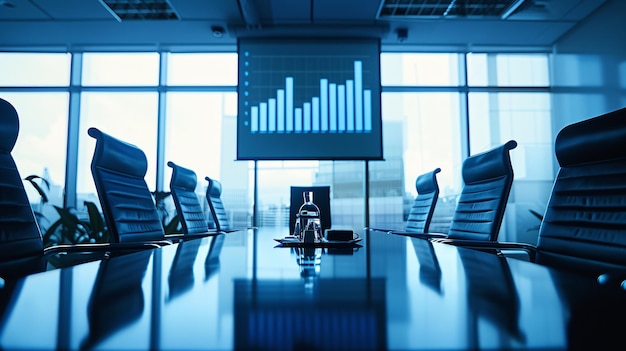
x: 202, y: 69
x: 41, y: 143
x: 525, y: 117
x: 34, y: 69
x: 521, y: 70
x: 421, y: 133
x: 419, y: 69
x: 431, y: 118
x: 120, y: 69
x: 131, y: 117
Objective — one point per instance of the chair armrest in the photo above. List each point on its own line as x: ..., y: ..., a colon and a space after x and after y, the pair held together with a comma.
x: 100, y: 247
x: 210, y: 232
x: 531, y: 250
x: 376, y: 229
x: 233, y: 230
x: 419, y: 235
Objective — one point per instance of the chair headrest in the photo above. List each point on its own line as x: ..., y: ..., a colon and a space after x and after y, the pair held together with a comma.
x: 596, y: 139
x: 182, y: 177
x: 10, y: 126
x: 427, y: 182
x: 490, y: 164
x: 118, y: 156
x: 215, y: 187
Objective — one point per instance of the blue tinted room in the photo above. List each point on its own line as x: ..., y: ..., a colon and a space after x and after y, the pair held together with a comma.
x: 312, y: 174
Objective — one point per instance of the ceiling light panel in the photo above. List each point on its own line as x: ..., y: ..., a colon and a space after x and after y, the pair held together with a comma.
x: 445, y: 8
x: 125, y: 10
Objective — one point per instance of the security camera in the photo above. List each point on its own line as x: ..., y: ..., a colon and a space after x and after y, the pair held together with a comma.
x: 218, y: 31
x: 402, y: 33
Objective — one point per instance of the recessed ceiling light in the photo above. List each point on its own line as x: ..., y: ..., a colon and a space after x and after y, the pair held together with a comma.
x: 124, y: 10
x: 448, y: 8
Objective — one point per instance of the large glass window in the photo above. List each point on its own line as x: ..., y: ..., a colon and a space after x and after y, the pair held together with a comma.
x: 200, y: 135
x: 421, y: 133
x: 131, y: 117
x: 202, y: 69
x: 419, y: 69
x: 34, y: 69
x: 120, y: 69
x: 345, y: 178
x: 41, y: 143
x: 425, y: 126
x: 520, y: 70
x: 496, y: 118
x: 197, y: 131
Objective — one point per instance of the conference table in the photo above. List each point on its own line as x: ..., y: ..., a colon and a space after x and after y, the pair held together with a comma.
x: 242, y: 290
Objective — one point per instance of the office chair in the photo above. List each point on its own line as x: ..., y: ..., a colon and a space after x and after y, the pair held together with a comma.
x: 487, y: 178
x: 218, y: 211
x: 321, y: 197
x: 584, y: 225
x: 423, y: 207
x: 22, y: 248
x: 118, y: 171
x: 183, y: 188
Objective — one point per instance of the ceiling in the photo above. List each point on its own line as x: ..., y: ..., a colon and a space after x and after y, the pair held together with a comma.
x: 79, y: 24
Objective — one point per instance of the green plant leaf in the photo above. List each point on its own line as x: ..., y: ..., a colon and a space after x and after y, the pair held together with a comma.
x: 160, y: 195
x: 31, y: 179
x: 69, y: 223
x: 536, y: 214
x: 50, y: 236
x: 172, y: 226
x: 96, y: 223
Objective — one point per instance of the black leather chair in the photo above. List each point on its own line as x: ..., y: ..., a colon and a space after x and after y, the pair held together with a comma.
x: 21, y: 240
x: 423, y: 207
x: 22, y: 248
x: 218, y: 211
x: 193, y: 218
x: 487, y: 178
x: 321, y: 197
x: 584, y: 225
x: 118, y: 170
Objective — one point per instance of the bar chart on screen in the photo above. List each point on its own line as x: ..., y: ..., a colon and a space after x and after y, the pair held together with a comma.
x: 301, y: 99
x: 336, y: 106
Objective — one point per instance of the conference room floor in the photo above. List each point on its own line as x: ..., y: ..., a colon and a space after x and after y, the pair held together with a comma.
x: 241, y: 291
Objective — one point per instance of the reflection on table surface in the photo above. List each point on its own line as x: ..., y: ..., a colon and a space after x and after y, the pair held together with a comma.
x: 242, y: 291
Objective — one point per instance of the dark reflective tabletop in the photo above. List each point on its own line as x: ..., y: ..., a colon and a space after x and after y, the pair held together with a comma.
x: 241, y: 291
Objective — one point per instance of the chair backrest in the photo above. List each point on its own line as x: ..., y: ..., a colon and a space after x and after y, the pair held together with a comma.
x: 183, y: 187
x: 487, y: 179
x: 584, y: 224
x: 218, y: 211
x: 321, y: 197
x: 421, y: 212
x: 19, y: 233
x: 118, y: 170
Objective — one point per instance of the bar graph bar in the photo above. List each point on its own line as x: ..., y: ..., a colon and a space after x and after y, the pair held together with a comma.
x: 338, y: 107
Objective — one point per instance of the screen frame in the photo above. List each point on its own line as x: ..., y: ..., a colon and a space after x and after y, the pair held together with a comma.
x: 349, y: 146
